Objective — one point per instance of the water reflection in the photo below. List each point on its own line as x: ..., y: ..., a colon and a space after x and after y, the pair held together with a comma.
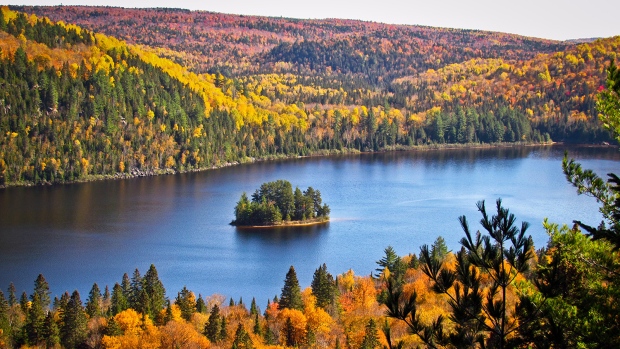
x: 94, y: 232
x: 280, y: 235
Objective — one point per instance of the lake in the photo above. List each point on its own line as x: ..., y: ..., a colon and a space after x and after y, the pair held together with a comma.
x: 79, y: 234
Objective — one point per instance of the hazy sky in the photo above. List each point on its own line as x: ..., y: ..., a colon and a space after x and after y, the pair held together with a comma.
x: 552, y: 19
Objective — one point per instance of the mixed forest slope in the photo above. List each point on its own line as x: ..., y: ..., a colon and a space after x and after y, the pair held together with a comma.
x: 192, y: 90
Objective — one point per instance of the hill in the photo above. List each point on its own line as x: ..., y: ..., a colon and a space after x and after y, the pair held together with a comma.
x: 190, y: 90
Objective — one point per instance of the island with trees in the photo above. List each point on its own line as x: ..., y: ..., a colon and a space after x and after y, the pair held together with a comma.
x: 275, y: 203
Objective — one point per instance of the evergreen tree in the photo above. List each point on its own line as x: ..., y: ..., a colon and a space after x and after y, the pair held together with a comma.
x: 223, y: 329
x: 155, y: 290
x: 135, y: 290
x: 5, y: 323
x: 371, y: 336
x: 12, y: 295
x: 300, y: 205
x: 439, y: 249
x: 201, y: 306
x: 113, y: 328
x: 23, y: 302
x: 118, y: 300
x: 42, y: 288
x: 186, y: 302
x: 291, y: 292
x: 289, y: 334
x: 126, y: 287
x: 35, y: 322
x: 144, y: 303
x: 213, y: 325
x: 242, y: 339
x: 253, y: 308
x: 503, y: 254
x: 323, y: 287
x: 93, y: 304
x: 393, y: 263
x: 73, y: 331
x: 106, y: 301
x: 51, y: 333
x: 257, y: 327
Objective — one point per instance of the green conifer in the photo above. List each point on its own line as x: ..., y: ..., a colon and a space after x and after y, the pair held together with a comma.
x: 291, y: 292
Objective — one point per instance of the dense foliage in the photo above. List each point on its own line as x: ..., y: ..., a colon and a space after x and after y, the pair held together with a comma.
x: 496, y: 292
x: 275, y: 202
x: 76, y: 105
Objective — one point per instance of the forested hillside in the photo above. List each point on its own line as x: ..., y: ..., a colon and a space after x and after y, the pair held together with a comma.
x: 77, y: 104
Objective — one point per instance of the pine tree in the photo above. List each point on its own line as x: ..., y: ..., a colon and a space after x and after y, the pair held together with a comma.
x: 42, y: 288
x: 388, y: 261
x: 93, y: 304
x: 186, y: 302
x: 291, y: 292
x: 5, y: 323
x: 223, y: 330
x: 257, y: 327
x: 242, y: 339
x: 23, y: 302
x: 213, y: 325
x: 289, y: 333
x: 144, y: 303
x: 253, y: 308
x: 113, y: 328
x: 118, y: 300
x: 371, y: 336
x: 51, y: 332
x: 323, y: 287
x: 439, y: 249
x: 155, y: 291
x: 126, y: 287
x: 35, y: 321
x: 73, y: 331
x: 201, y: 307
x: 135, y: 290
x: 106, y: 301
x: 12, y: 295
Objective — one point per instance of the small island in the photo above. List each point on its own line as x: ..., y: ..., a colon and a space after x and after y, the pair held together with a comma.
x: 275, y: 204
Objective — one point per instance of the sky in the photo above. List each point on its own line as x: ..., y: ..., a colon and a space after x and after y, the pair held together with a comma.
x: 549, y: 19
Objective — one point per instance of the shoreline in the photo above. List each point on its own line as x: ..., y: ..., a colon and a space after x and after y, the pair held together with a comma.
x: 137, y: 173
x: 285, y: 224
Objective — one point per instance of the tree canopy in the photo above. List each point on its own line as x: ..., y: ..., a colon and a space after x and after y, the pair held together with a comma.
x: 274, y: 203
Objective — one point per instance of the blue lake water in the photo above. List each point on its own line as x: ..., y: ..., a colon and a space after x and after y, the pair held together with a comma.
x: 79, y: 234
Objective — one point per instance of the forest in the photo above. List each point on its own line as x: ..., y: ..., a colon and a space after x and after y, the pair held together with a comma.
x: 130, y: 92
x: 275, y: 203
x: 497, y: 291
x: 76, y: 103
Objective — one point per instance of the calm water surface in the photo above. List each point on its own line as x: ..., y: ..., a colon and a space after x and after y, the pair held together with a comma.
x: 94, y: 232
